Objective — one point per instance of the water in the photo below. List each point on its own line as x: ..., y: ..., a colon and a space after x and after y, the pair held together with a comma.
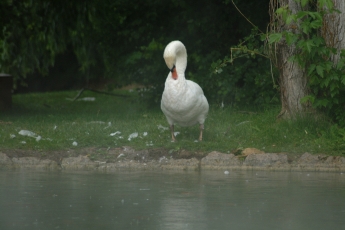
x: 171, y: 200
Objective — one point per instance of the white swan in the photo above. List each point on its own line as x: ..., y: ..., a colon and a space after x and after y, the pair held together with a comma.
x: 183, y: 101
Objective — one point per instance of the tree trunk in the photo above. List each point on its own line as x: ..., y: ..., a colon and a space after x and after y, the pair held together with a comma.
x: 333, y: 30
x: 293, y: 78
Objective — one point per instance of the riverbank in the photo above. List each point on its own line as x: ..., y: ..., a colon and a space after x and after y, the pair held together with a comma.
x: 161, y: 159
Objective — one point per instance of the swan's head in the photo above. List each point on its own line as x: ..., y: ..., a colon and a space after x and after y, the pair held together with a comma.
x: 175, y: 56
x: 170, y: 61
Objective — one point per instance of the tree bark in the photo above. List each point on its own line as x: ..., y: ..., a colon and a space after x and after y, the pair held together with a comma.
x: 292, y: 77
x: 333, y: 29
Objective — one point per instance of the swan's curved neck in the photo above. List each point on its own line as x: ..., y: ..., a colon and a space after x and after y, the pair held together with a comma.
x: 176, y: 54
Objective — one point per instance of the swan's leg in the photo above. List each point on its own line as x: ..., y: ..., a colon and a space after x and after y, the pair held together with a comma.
x: 172, y: 133
x: 201, y: 130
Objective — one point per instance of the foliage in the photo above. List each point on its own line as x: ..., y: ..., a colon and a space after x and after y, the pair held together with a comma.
x: 33, y: 33
x: 249, y: 78
x: 326, y: 79
x: 124, y: 40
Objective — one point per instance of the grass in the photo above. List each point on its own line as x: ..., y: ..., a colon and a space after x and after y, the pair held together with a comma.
x: 60, y: 122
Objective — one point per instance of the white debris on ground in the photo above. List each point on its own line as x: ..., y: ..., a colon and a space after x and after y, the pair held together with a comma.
x: 116, y: 133
x: 121, y: 155
x: 176, y: 133
x: 226, y: 172
x: 163, y: 158
x: 82, y: 99
x: 27, y: 133
x: 12, y: 136
x: 149, y: 143
x: 55, y: 127
x: 75, y: 143
x: 109, y: 125
x: 145, y: 134
x: 87, y: 99
x: 133, y: 135
x: 30, y: 134
x: 162, y: 128
x: 96, y: 122
x: 241, y: 123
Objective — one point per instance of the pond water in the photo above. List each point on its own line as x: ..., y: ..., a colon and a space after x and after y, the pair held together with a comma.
x: 171, y: 200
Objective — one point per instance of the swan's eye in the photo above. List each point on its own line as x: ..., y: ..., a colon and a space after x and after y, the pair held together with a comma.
x: 172, y: 69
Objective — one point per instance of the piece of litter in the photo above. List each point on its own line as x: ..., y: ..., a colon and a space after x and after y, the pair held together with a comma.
x: 113, y: 134
x: 163, y: 159
x: 149, y: 143
x: 96, y: 122
x: 23, y: 142
x: 12, y: 136
x: 121, y: 155
x: 109, y: 125
x: 38, y: 138
x: 241, y: 123
x: 226, y: 172
x: 27, y: 133
x: 75, y: 143
x: 87, y: 99
x: 196, y: 141
x: 176, y: 133
x: 133, y: 135
x: 145, y: 134
x: 55, y: 127
x: 162, y: 128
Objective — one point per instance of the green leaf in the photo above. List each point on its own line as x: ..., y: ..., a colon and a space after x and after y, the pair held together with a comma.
x: 309, y: 98
x: 304, y: 2
x: 301, y: 14
x: 343, y: 79
x: 316, y: 24
x: 275, y: 37
x: 311, y: 69
x: 327, y: 3
x: 319, y: 70
x: 308, y: 45
x: 290, y: 38
x: 290, y: 19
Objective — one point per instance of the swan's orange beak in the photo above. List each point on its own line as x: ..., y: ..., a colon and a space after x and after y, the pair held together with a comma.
x: 174, y: 73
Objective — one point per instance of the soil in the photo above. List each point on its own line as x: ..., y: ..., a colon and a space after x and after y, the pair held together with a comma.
x: 160, y: 158
x: 105, y: 155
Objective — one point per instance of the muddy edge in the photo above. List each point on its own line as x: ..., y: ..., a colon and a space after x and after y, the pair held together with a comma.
x: 160, y: 159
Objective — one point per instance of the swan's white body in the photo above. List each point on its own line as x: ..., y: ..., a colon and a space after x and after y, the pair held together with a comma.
x: 183, y: 101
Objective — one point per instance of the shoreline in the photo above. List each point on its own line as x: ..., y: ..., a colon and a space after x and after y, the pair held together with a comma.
x: 128, y: 158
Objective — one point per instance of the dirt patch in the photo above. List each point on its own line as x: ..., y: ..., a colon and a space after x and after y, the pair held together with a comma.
x: 105, y: 154
x: 126, y: 157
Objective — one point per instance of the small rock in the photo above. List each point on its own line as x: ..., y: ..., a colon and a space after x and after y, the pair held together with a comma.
x: 80, y: 162
x: 266, y: 160
x: 249, y: 151
x: 218, y: 160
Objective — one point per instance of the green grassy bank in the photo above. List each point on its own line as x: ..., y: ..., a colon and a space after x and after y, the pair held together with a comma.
x: 108, y: 121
